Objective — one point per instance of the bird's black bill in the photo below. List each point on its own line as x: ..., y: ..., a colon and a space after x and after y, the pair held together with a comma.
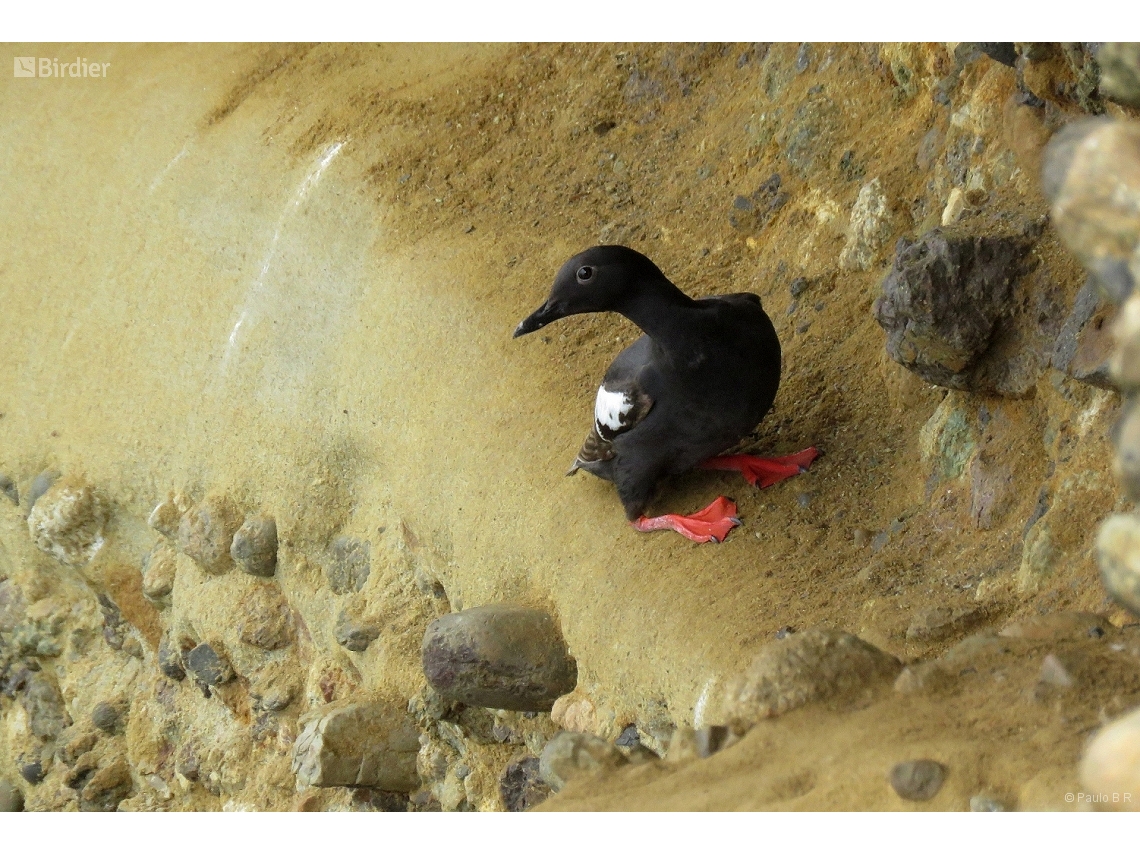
x: 543, y: 315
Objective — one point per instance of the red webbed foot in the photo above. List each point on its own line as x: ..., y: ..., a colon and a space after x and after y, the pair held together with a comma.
x: 764, y: 471
x: 713, y: 523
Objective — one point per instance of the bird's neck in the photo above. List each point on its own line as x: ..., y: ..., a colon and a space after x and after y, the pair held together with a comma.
x: 659, y: 308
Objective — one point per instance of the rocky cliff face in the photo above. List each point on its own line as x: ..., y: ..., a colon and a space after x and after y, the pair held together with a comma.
x: 298, y: 537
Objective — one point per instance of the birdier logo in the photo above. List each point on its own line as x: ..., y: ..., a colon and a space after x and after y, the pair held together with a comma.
x: 31, y: 66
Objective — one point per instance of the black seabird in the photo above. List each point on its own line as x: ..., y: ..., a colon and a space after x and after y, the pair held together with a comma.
x: 700, y: 379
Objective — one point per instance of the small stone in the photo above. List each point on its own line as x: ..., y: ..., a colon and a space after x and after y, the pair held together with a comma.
x: 499, y: 656
x: 274, y: 687
x: 809, y: 137
x: 158, y: 571
x: 939, y: 623
x: 521, y: 785
x: 9, y: 489
x: 1120, y: 72
x: 985, y: 804
x: 170, y: 659
x: 1056, y: 626
x: 809, y: 666
x: 106, y: 716
x: 67, y: 521
x: 11, y: 799
x: 785, y: 631
x: 208, y: 666
x: 955, y: 206
x: 354, y: 635
x: 254, y: 547
x: 40, y: 485
x: 573, y: 755
x: 869, y: 229
x: 350, y: 565
x: 798, y: 287
x: 1084, y: 345
x: 803, y: 57
x: 1054, y: 673
x: 942, y: 299
x: 167, y: 515
x: 918, y: 780
x: 628, y: 737
x: 267, y: 622
x: 1097, y: 208
x: 358, y: 743
x: 1110, y: 768
x: 206, y: 532
x: 574, y: 712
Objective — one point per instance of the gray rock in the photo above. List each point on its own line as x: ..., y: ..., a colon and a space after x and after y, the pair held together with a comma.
x: 1118, y: 553
x: 107, y: 717
x: 170, y: 659
x: 354, y: 635
x: 809, y: 666
x: 40, y: 485
x: 254, y: 547
x: 1003, y: 52
x: 985, y: 804
x: 628, y: 737
x: 9, y: 489
x: 267, y: 621
x: 499, y: 656
x: 942, y: 299
x: 1096, y: 205
x: 1120, y: 72
x: 1085, y: 343
x: 1126, y: 437
x: 521, y: 786
x: 350, y: 566
x: 208, y: 666
x: 571, y: 755
x: 358, y: 743
x: 803, y: 58
x: 158, y: 572
x: 11, y: 798
x: 918, y: 780
x: 206, y: 532
x: 47, y: 715
x: 809, y: 138
x: 67, y: 521
x: 32, y: 770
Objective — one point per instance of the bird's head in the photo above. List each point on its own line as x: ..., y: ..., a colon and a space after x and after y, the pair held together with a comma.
x: 600, y: 279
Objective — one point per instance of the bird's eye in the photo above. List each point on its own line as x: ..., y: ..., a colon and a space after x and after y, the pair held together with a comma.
x: 585, y: 274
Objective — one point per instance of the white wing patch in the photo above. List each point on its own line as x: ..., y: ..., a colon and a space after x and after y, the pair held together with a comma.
x: 610, y: 407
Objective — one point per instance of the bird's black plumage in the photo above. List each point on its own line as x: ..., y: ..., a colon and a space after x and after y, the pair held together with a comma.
x: 700, y: 379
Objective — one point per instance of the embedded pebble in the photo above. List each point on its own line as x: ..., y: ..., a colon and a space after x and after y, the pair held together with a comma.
x: 67, y: 521
x: 918, y: 780
x: 11, y: 799
x: 106, y: 716
x: 208, y: 666
x: 1120, y: 72
x: 9, y: 489
x: 167, y: 515
x: 254, y: 546
x: 1110, y: 767
x: 354, y: 635
x: 521, y: 786
x: 158, y: 571
x: 350, y: 565
x: 572, y: 755
x: 267, y: 622
x: 574, y: 712
x: 1084, y: 345
x: 206, y: 531
x: 1097, y: 206
x: 40, y: 485
x: 942, y: 298
x: 628, y: 737
x: 32, y: 771
x: 869, y: 229
x: 274, y: 687
x: 170, y: 659
x: 1118, y: 553
x: 813, y: 665
x: 955, y: 206
x: 358, y: 744
x: 985, y: 804
x: 499, y: 656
